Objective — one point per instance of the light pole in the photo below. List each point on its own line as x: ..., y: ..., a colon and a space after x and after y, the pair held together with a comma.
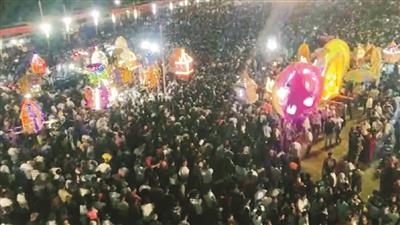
x: 163, y: 61
x: 113, y: 20
x: 154, y: 8
x: 135, y: 13
x: 67, y: 22
x: 46, y: 28
x: 95, y: 15
x: 40, y: 9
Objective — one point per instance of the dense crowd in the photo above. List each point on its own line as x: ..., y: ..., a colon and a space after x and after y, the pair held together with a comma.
x: 197, y: 155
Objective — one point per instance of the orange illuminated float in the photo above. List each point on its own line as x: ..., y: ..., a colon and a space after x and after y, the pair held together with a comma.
x: 151, y: 77
x: 303, y: 53
x: 181, y: 64
x: 38, y: 65
x: 336, y: 63
x: 32, y: 117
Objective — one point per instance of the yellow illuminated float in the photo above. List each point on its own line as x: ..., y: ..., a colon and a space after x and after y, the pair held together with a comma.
x: 337, y: 62
x: 181, y: 64
x: 368, y: 62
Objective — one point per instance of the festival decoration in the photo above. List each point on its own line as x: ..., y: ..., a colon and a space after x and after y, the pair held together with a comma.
x: 127, y: 59
x: 97, y: 73
x: 29, y: 84
x: 99, y: 57
x: 337, y: 62
x: 88, y: 96
x: 376, y: 62
x: 391, y: 54
x: 151, y: 77
x: 32, y: 117
x: 297, y: 90
x: 359, y: 76
x: 251, y: 89
x: 121, y: 42
x: 181, y: 64
x: 38, y: 65
x: 368, y: 61
x: 246, y: 89
x: 303, y: 53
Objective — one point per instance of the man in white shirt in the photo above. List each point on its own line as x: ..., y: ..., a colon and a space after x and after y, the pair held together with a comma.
x: 368, y: 105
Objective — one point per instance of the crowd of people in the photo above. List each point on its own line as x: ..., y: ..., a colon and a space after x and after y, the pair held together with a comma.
x: 197, y: 155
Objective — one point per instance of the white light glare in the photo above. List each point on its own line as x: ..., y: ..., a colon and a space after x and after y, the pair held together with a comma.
x: 145, y: 45
x: 154, y: 47
x: 117, y: 2
x: 46, y: 29
x: 154, y: 8
x: 113, y: 18
x: 67, y: 22
x: 272, y: 44
x: 95, y: 15
x: 171, y: 6
x: 135, y: 14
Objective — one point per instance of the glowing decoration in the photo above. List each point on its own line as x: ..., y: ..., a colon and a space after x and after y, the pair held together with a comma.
x: 38, y: 65
x: 269, y: 85
x: 127, y: 59
x: 360, y: 75
x: 181, y: 64
x: 97, y: 73
x: 88, y: 96
x: 376, y: 62
x: 99, y: 57
x: 297, y: 90
x: 303, y: 53
x: 337, y: 62
x: 29, y: 84
x: 251, y: 89
x: 32, y: 117
x: 246, y: 90
x: 121, y: 42
x: 97, y: 98
x: 391, y: 54
x: 368, y: 62
x: 151, y: 77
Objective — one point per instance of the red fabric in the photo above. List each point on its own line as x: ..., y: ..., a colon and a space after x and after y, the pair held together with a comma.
x: 92, y: 214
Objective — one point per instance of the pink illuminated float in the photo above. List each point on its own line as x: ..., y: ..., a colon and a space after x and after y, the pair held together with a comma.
x: 297, y: 90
